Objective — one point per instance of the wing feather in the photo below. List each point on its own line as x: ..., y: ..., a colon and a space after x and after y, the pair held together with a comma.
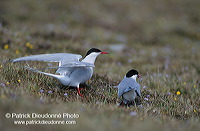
x: 56, y: 57
x: 126, y: 85
x: 71, y: 65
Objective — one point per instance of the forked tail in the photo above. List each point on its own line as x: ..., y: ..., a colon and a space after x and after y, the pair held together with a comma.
x: 49, y: 74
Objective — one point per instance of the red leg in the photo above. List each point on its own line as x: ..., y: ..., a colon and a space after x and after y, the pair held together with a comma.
x: 81, y: 89
x: 79, y: 93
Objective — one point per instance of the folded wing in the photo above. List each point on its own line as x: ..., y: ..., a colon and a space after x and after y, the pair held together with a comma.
x: 126, y: 85
x: 72, y: 65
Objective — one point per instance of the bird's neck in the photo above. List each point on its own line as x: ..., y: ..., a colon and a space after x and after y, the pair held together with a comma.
x: 90, y: 58
x: 134, y: 77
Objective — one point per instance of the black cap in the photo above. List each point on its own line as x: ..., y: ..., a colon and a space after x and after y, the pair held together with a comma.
x: 131, y: 73
x: 92, y: 50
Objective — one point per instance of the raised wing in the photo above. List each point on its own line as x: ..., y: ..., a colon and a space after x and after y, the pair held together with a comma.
x: 126, y: 85
x: 57, y: 57
x: 62, y: 58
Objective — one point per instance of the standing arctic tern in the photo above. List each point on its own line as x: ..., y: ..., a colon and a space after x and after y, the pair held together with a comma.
x: 72, y: 71
x: 128, y: 88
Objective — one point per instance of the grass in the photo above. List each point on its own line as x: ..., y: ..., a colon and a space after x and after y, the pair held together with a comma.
x: 160, y: 39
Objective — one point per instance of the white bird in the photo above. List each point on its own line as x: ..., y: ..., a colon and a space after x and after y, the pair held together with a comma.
x: 128, y: 88
x: 72, y: 71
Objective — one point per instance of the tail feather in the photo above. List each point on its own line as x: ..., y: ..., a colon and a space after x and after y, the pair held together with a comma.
x: 35, y: 70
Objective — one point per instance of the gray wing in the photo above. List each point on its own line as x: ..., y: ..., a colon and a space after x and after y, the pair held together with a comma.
x: 71, y: 65
x: 126, y: 85
x: 62, y: 58
x: 77, y: 64
x: 66, y: 69
x: 57, y: 57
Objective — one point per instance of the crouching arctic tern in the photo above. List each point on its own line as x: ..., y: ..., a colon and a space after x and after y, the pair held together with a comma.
x: 128, y: 88
x: 72, y: 71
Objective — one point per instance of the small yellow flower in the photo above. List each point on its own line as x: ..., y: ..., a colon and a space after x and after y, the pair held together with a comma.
x: 19, y: 81
x: 195, y: 86
x: 17, y: 52
x: 178, y: 93
x: 184, y: 83
x: 1, y: 66
x: 31, y: 46
x: 28, y: 45
x: 175, y: 98
x: 7, y: 83
x: 194, y: 110
x: 6, y: 47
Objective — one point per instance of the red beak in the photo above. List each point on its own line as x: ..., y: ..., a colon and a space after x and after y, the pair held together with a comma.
x: 105, y: 53
x: 139, y: 76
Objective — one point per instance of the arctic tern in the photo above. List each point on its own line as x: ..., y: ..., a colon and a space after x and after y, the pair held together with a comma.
x: 72, y: 72
x: 128, y: 88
